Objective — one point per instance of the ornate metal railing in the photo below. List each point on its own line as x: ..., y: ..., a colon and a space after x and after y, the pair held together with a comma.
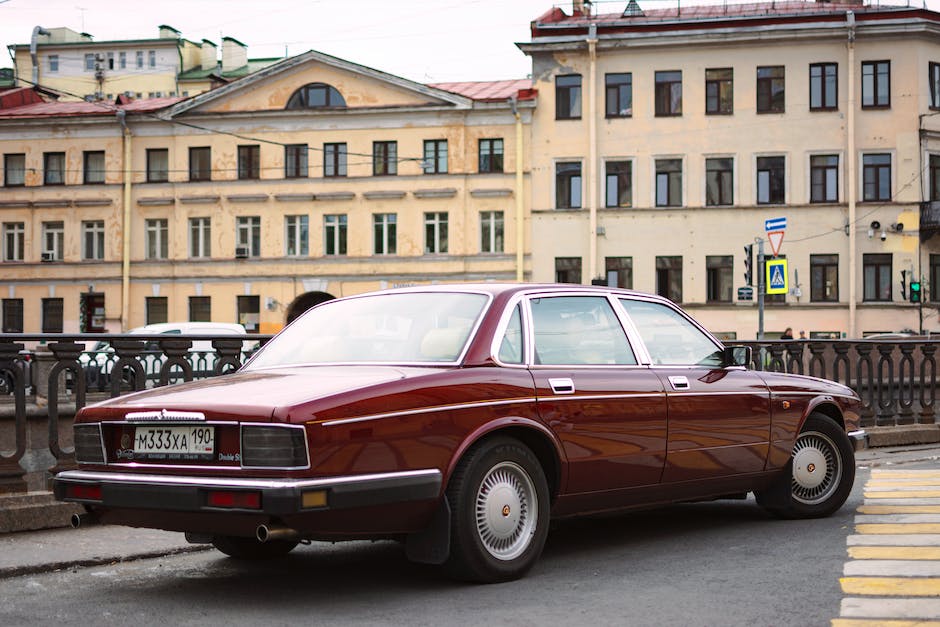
x: 45, y: 379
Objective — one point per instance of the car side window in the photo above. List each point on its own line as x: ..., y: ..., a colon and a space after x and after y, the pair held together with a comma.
x: 510, y: 349
x: 578, y: 330
x: 670, y: 338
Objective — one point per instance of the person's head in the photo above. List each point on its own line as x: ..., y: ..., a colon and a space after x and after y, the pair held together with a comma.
x: 789, y: 331
x: 802, y: 334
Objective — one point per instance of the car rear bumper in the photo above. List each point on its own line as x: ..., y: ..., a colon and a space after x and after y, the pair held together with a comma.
x: 278, y: 497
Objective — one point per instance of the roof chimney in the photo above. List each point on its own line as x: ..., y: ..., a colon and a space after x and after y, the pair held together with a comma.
x: 234, y: 54
x: 209, y: 55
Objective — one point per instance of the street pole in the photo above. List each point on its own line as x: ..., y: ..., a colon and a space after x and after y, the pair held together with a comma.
x: 760, y: 289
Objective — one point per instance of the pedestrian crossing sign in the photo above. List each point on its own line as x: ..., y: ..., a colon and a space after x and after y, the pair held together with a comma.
x: 776, y: 276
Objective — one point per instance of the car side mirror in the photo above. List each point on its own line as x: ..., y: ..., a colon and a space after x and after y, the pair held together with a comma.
x: 737, y: 356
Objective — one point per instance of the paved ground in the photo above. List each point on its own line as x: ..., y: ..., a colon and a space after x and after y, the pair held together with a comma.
x: 57, y: 549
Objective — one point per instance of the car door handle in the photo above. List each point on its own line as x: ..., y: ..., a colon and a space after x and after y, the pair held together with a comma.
x: 562, y: 386
x: 679, y: 383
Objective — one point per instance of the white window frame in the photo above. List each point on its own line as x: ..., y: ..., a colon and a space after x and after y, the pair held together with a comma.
x: 14, y: 241
x: 93, y: 248
x: 384, y: 220
x: 157, y: 238
x: 248, y: 234
x: 437, y: 243
x: 682, y: 185
x: 296, y: 235
x: 53, y: 239
x: 496, y: 222
x: 200, y: 234
x: 334, y: 224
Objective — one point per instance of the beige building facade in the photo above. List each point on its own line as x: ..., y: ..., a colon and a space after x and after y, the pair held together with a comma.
x: 311, y: 179
x: 664, y: 140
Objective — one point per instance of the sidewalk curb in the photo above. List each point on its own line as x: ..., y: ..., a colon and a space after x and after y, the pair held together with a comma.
x: 38, y: 569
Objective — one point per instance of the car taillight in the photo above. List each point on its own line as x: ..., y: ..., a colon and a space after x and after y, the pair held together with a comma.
x: 83, y: 492
x: 274, y: 447
x: 233, y: 499
x: 88, y: 447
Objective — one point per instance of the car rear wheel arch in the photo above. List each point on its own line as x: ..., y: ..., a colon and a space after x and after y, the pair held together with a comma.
x: 828, y: 409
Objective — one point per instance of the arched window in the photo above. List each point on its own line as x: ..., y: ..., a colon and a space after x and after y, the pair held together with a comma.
x: 316, y: 96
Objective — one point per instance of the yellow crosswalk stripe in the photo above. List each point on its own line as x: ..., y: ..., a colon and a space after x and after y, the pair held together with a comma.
x: 903, y: 494
x: 892, y: 586
x: 894, y: 474
x: 881, y: 483
x: 898, y: 528
x: 894, y: 552
x: 899, y: 509
x: 877, y: 622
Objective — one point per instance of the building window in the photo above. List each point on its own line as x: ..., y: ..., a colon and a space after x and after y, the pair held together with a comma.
x: 89, y: 62
x: 935, y: 180
x: 53, y: 240
x: 619, y: 272
x: 334, y: 234
x: 719, y: 179
x: 619, y: 184
x: 14, y: 170
x: 435, y: 232
x: 824, y: 278
x: 53, y: 62
x: 568, y: 185
x: 876, y: 273
x: 491, y: 155
x: 110, y: 66
x: 157, y: 239
x: 669, y: 278
x: 934, y: 294
x: 295, y: 161
x: 876, y: 84
x: 384, y: 237
x: 157, y: 309
x: 933, y: 81
x: 568, y: 97
x: 334, y: 160
x: 618, y: 96
x: 93, y: 240
x: 568, y: 270
x: 158, y: 165
x: 719, y: 278
x: 152, y: 58
x: 200, y: 309
x: 12, y: 315
x: 200, y: 164
x: 668, y: 93
x: 668, y: 182
x: 876, y: 177
x: 140, y: 60
x: 52, y: 315
x: 248, y: 235
x: 824, y: 178
x: 200, y: 241
x: 384, y: 158
x: 823, y: 86
x: 249, y: 162
x: 719, y: 91
x: 771, y: 89
x: 296, y: 236
x: 94, y: 166
x: 53, y: 168
x: 435, y: 156
x: 491, y: 232
x: 316, y: 96
x: 13, y: 241
x: 771, y: 180
x: 122, y: 60
x: 248, y: 310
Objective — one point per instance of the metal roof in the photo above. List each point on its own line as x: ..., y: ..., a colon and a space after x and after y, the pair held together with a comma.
x: 487, y: 91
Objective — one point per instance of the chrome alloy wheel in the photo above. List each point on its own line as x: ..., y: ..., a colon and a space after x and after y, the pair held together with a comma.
x: 506, y: 511
x: 817, y: 468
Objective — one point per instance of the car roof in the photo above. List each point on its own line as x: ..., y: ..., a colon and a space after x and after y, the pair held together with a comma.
x: 499, y: 289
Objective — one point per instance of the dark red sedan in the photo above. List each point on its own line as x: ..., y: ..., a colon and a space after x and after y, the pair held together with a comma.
x: 461, y: 419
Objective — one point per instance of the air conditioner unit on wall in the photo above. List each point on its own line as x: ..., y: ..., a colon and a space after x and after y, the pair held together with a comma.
x: 241, y: 252
x: 48, y: 257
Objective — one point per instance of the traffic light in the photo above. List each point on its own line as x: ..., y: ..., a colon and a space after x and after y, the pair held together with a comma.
x: 904, y: 284
x: 749, y: 264
x: 915, y: 291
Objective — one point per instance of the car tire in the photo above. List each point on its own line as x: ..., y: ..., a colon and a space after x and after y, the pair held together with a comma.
x: 499, y: 512
x: 251, y: 548
x: 819, y: 476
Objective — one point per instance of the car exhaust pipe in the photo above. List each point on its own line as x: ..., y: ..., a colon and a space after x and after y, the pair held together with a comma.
x: 81, y: 520
x: 264, y: 533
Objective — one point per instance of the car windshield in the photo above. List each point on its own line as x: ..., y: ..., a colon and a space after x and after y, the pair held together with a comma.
x: 383, y: 328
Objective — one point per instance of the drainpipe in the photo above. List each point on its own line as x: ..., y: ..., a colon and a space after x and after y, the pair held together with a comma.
x: 592, y: 152
x: 126, y: 224
x: 520, y: 219
x: 33, y: 53
x: 851, y: 175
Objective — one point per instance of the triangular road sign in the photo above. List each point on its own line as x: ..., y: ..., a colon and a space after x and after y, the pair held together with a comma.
x: 776, y: 238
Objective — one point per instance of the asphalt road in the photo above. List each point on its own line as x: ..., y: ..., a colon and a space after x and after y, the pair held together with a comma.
x: 719, y: 563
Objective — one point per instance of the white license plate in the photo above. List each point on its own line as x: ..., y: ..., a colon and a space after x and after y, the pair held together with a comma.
x: 176, y: 441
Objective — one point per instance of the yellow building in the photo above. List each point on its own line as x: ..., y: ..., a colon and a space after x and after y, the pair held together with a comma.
x: 310, y: 179
x: 75, y: 66
x: 664, y: 140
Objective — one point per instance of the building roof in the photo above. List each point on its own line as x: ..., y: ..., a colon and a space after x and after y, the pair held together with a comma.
x: 490, y: 91
x: 253, y: 66
x: 74, y: 109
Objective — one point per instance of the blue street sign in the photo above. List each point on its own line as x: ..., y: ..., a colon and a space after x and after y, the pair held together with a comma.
x: 775, y: 224
x: 776, y: 276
